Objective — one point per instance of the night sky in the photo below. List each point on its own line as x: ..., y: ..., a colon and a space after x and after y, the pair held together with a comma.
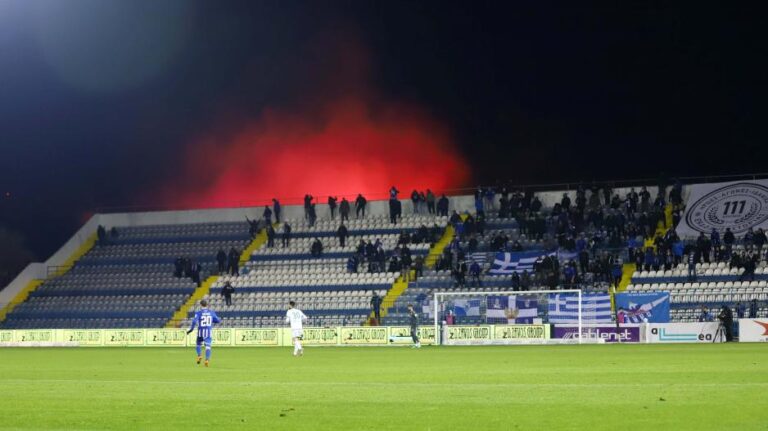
x: 144, y: 103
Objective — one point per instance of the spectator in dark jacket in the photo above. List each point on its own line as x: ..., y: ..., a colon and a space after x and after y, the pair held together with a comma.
x: 442, y: 206
x: 277, y: 209
x: 270, y: 236
x: 267, y: 215
x: 316, y: 250
x: 286, y: 234
x: 226, y: 291
x: 221, y: 259
x: 342, y: 233
x: 344, y: 209
x: 233, y: 261
x: 360, y: 203
x: 332, y: 206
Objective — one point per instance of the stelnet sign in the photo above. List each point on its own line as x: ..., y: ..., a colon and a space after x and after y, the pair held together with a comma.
x: 608, y: 333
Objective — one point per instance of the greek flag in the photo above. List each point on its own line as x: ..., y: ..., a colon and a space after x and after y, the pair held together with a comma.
x: 564, y: 308
x: 511, y: 309
x: 466, y: 307
x: 507, y: 263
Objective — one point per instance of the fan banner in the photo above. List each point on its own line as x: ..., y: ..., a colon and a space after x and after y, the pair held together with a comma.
x: 651, y: 307
x: 738, y: 206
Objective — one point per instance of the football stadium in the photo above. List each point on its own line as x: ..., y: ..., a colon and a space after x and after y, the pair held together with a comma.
x: 380, y: 216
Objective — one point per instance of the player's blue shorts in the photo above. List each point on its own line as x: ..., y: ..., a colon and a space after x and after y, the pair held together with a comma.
x: 206, y: 341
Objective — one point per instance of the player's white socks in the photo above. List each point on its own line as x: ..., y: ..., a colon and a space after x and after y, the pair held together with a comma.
x: 296, y: 347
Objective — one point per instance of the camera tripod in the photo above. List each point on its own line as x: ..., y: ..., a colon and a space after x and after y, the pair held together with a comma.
x: 719, y: 334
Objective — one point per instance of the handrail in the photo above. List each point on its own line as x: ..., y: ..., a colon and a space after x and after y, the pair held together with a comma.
x: 569, y: 185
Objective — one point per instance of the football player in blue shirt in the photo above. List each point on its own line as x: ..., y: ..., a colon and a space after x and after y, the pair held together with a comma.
x: 204, y: 319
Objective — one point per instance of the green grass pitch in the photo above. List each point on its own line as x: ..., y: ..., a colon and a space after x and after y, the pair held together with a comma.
x: 594, y: 387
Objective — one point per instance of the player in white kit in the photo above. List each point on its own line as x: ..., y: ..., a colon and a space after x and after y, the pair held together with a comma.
x: 296, y: 318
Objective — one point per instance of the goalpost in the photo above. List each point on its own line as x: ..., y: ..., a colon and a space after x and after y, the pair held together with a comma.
x: 508, y: 314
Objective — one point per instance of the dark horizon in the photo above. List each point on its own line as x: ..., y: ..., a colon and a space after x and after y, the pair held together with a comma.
x: 185, y: 100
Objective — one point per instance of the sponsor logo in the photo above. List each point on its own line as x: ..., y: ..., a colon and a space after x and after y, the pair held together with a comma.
x: 764, y: 325
x: 630, y: 334
x: 256, y: 337
x: 520, y: 332
x: 737, y: 206
x: 375, y: 335
x: 680, y: 337
x: 469, y: 332
x: 166, y: 337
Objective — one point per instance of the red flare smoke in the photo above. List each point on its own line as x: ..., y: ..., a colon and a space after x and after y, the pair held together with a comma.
x: 346, y: 149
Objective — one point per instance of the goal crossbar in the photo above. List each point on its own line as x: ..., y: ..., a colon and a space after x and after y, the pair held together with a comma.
x: 440, y: 295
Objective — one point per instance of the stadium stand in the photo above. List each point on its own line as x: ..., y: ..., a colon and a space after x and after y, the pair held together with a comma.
x: 127, y: 279
x: 324, y: 287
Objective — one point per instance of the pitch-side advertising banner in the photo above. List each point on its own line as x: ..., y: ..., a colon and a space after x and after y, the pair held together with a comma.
x: 402, y: 335
x: 608, y: 333
x: 694, y: 332
x: 738, y: 205
x: 753, y: 330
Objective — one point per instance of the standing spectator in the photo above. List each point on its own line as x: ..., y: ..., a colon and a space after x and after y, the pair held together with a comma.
x: 376, y: 307
x: 753, y: 309
x: 277, y: 209
x: 226, y: 291
x: 253, y: 227
x: 360, y: 203
x: 307, y: 203
x: 759, y: 239
x: 393, y: 210
x: 195, y: 273
x: 270, y: 236
x: 728, y: 240
x: 178, y: 267
x: 267, y: 215
x: 515, y: 281
x: 312, y: 214
x: 442, y: 206
x: 714, y: 239
x: 344, y: 209
x: 430, y: 201
x: 691, y: 266
x: 286, y: 234
x: 342, y: 233
x: 525, y: 281
x: 584, y: 260
x: 233, y: 261
x: 741, y: 310
x: 418, y: 267
x: 393, y: 192
x: 101, y: 235
x: 415, y: 199
x: 332, y: 206
x: 474, y: 273
x: 221, y: 259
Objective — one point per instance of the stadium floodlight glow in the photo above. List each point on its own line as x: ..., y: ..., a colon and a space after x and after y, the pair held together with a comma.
x: 439, y: 296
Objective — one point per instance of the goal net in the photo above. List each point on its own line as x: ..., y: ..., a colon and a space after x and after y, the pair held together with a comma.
x: 509, y: 317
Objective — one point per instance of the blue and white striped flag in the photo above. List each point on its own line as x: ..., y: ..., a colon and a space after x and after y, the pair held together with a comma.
x: 564, y: 308
x: 478, y: 257
x: 466, y: 307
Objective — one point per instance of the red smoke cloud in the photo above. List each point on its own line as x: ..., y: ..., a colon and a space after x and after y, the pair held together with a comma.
x: 349, y: 152
x: 353, y: 143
